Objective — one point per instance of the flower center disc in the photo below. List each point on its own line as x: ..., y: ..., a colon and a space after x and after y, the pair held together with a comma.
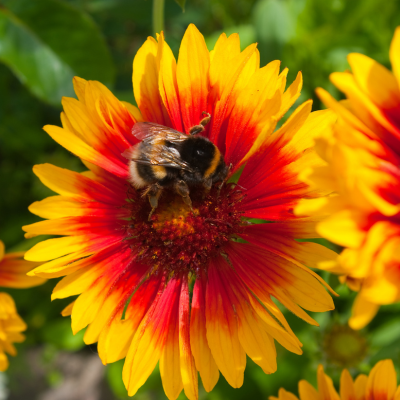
x: 177, y: 239
x: 344, y: 346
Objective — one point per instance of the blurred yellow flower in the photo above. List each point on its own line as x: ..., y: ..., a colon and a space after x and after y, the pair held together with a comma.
x: 361, y: 177
x: 11, y: 326
x: 13, y: 269
x: 381, y: 384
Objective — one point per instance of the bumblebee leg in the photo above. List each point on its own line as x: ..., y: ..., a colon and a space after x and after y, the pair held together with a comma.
x: 206, y: 119
x: 207, y: 186
x: 182, y: 188
x: 154, y: 193
x: 224, y: 181
x: 194, y: 130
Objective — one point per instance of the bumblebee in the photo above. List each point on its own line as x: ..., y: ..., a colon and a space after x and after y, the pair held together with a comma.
x: 168, y: 158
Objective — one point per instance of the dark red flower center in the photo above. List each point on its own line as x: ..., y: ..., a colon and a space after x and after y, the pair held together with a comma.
x: 179, y: 240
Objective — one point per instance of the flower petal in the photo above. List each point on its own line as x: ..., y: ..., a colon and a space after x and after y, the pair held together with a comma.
x: 375, y: 80
x: 85, y: 244
x: 221, y: 68
x: 274, y: 238
x: 291, y: 94
x: 118, y: 333
x: 146, y: 66
x: 168, y: 85
x: 364, y: 105
x: 238, y: 71
x: 193, y: 77
x: 170, y: 360
x: 222, y: 329
x: 342, y: 228
x: 77, y: 146
x: 284, y: 395
x: 256, y: 342
x: 345, y: 113
x: 245, y: 122
x: 73, y: 184
x: 362, y: 312
x: 270, y: 168
x: 14, y: 269
x: 130, y: 276
x: 307, y: 392
x: 347, y: 389
x: 148, y: 343
x: 70, y: 226
x: 360, y: 385
x: 325, y: 386
x: 394, y: 53
x: 205, y: 363
x: 90, y: 302
x: 2, y: 250
x: 382, y: 381
x: 187, y: 363
x: 271, y: 275
x: 67, y: 311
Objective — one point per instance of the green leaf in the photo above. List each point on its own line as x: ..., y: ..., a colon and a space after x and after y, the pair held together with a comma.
x: 273, y: 20
x: 47, y: 42
x: 181, y: 4
x: 275, y: 23
x: 386, y: 334
x: 114, y: 378
x: 60, y: 334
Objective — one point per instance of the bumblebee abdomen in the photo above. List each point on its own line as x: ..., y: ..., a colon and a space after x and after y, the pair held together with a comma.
x: 136, y: 176
x: 141, y: 175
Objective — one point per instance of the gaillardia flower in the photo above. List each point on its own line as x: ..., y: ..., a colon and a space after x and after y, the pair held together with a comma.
x: 188, y: 288
x: 362, y: 176
x: 380, y: 384
x: 13, y: 270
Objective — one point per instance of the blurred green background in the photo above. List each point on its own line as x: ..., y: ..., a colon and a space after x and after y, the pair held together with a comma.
x: 43, y: 44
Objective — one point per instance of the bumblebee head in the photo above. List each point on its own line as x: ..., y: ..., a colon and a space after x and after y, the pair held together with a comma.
x: 199, y: 153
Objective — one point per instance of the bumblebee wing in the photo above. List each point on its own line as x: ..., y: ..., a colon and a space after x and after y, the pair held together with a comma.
x: 159, y: 154
x: 153, y: 148
x: 169, y: 157
x: 149, y: 132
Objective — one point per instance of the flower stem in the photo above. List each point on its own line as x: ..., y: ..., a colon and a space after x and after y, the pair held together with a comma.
x: 158, y: 15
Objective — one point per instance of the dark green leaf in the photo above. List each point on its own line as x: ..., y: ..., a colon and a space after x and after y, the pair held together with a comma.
x: 47, y: 42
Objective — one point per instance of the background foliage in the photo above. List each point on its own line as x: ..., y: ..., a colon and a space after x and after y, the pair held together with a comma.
x: 44, y: 43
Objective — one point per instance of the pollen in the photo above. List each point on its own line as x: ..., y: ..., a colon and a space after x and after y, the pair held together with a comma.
x: 179, y: 239
x: 174, y: 216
